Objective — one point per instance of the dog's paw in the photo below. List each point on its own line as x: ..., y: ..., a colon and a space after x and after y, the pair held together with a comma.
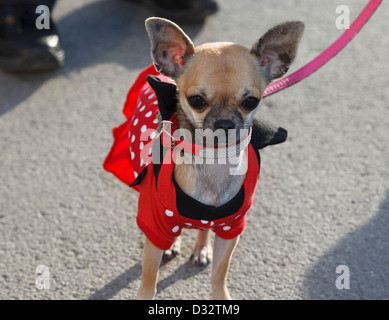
x: 202, y: 255
x: 174, y: 250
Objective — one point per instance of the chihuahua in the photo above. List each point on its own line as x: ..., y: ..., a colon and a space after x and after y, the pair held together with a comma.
x: 218, y: 88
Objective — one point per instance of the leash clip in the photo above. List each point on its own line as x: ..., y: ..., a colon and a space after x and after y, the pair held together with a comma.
x: 162, y: 128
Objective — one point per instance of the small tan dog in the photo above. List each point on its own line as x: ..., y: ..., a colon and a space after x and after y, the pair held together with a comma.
x: 219, y: 86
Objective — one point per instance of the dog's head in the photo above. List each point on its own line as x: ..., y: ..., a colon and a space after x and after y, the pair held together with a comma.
x: 221, y: 84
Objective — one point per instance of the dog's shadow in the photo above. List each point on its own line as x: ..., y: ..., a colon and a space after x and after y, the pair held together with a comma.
x: 119, y: 283
x: 365, y: 253
x: 185, y: 271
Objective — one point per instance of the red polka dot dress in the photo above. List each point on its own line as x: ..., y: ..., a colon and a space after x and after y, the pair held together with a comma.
x: 164, y: 209
x: 133, y: 140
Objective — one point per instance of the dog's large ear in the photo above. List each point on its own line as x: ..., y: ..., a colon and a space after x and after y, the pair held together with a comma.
x: 170, y: 46
x: 277, y: 48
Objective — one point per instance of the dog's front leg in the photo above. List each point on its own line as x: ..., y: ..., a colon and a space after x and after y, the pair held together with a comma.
x: 202, y: 251
x: 152, y: 257
x: 174, y: 250
x: 222, y: 253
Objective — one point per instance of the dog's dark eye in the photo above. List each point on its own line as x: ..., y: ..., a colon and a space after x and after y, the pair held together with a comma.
x: 250, y: 103
x: 197, y: 102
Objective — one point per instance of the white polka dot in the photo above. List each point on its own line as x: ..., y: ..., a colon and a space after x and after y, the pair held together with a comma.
x: 204, y: 221
x: 141, y: 146
x: 147, y: 91
x: 153, y: 134
x: 150, y: 151
x: 188, y: 224
x: 156, y: 121
x: 155, y: 102
x: 139, y: 104
x: 169, y: 213
x: 141, y: 162
x: 212, y: 223
x: 148, y: 114
x: 237, y: 216
x: 143, y: 129
x: 132, y: 155
x: 222, y: 224
x: 141, y: 109
x: 175, y: 229
x: 136, y: 174
x: 151, y: 96
x: 135, y: 121
x: 132, y: 138
x: 226, y: 228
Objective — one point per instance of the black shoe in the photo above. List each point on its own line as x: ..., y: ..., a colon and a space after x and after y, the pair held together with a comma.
x: 23, y: 47
x: 180, y: 11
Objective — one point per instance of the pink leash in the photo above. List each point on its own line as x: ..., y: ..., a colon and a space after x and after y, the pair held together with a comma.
x: 328, y: 54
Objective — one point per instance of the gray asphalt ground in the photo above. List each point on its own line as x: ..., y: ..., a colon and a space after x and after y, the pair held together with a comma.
x: 323, y: 197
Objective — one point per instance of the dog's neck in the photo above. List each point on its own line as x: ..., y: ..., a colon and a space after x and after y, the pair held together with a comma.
x: 209, y: 183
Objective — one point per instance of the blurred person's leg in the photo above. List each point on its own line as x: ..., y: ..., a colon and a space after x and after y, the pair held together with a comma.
x: 23, y: 46
x: 180, y: 11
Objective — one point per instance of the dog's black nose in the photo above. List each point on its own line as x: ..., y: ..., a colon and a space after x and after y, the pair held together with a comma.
x: 224, y: 124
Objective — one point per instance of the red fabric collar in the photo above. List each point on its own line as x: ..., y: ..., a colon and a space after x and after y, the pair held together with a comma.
x: 167, y: 129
